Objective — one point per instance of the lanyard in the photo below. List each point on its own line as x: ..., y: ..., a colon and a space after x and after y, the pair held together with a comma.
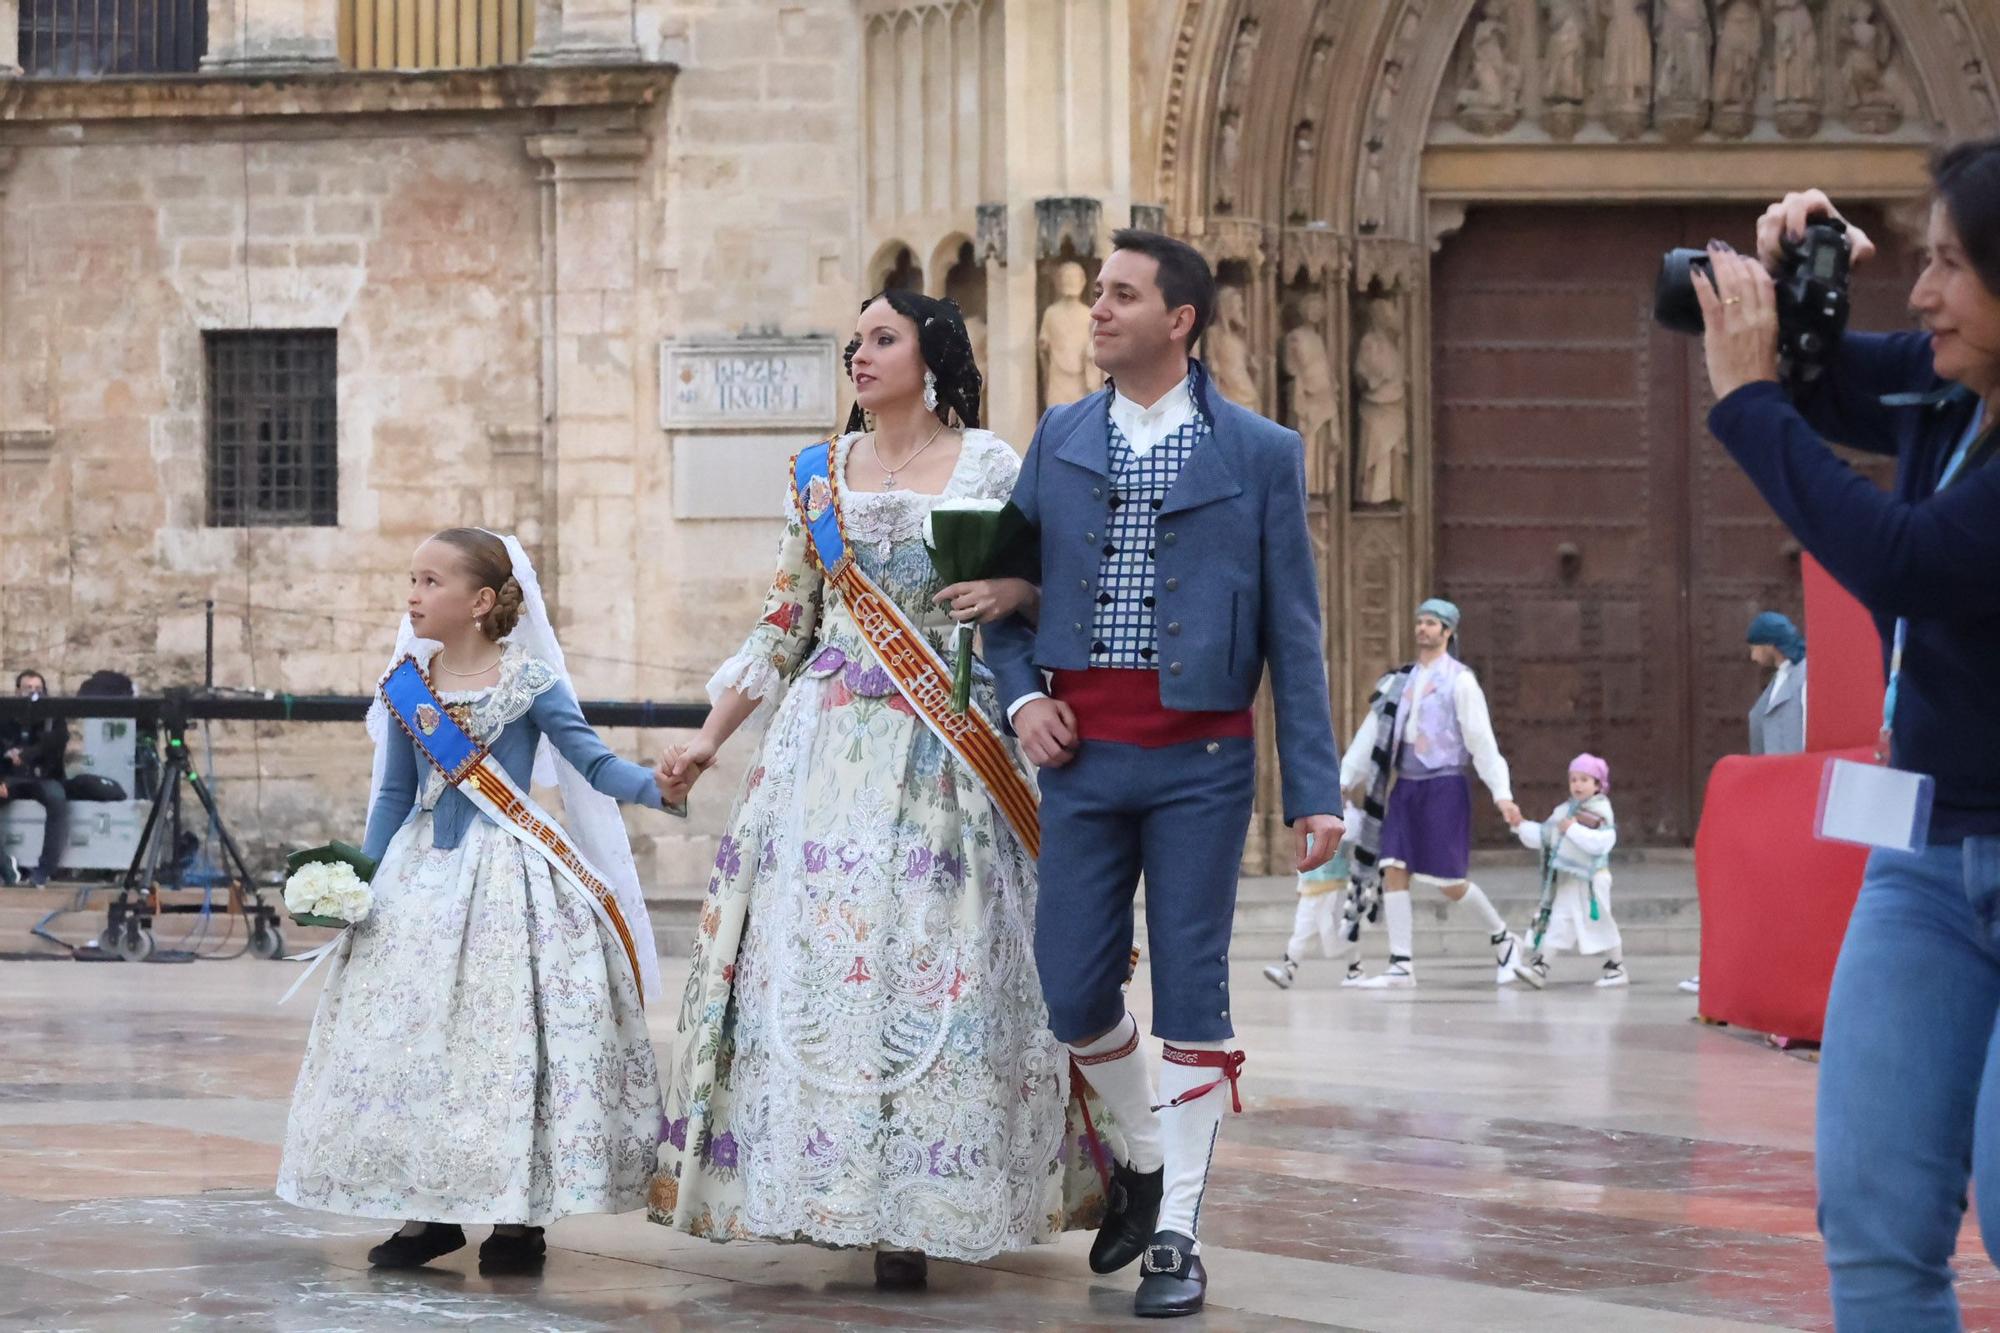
x: 1902, y: 636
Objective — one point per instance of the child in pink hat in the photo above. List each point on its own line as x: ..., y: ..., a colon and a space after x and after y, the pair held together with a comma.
x: 1575, y: 842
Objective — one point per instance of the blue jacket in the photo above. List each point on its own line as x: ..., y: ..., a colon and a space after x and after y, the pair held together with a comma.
x: 554, y: 713
x: 1934, y: 558
x: 1235, y: 580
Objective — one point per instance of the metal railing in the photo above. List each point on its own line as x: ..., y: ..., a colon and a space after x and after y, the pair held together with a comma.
x: 81, y: 39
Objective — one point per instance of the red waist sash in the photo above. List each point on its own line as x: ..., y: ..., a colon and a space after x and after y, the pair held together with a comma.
x: 1123, y: 705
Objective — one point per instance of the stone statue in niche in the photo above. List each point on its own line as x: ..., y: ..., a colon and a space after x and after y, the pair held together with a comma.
x: 1489, y: 102
x: 1299, y: 187
x: 1739, y: 52
x: 1226, y: 348
x: 1069, y: 372
x: 1315, y: 407
x: 1870, y: 87
x: 1381, y: 385
x: 1228, y: 159
x: 1628, y: 68
x: 1316, y: 71
x: 1682, y: 69
x: 1795, y: 69
x: 1564, y: 56
x: 1242, y: 57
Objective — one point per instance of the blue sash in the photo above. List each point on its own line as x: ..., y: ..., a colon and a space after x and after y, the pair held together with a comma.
x: 812, y: 478
x: 430, y: 724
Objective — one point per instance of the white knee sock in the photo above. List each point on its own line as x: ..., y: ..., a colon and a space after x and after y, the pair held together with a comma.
x: 1189, y: 1131
x: 1402, y: 926
x: 1124, y: 1084
x: 1302, y: 930
x: 1475, y: 898
x: 1328, y: 918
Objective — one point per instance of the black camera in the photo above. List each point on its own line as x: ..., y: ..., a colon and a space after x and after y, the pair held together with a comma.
x: 1812, y: 297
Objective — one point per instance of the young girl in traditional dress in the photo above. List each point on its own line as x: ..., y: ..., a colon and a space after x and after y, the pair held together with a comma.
x: 480, y: 1051
x: 865, y: 1057
x: 1576, y: 842
x: 1322, y: 916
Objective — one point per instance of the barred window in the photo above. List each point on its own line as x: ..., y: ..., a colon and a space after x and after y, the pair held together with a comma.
x: 272, y: 459
x: 79, y: 39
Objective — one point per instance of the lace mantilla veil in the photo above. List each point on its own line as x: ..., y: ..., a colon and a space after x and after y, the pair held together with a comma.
x: 591, y: 818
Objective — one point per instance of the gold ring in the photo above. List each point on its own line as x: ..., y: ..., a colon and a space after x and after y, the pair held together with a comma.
x: 1732, y: 300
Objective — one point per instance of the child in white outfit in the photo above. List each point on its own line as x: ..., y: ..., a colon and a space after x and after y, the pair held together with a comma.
x: 1575, y: 842
x: 1322, y: 914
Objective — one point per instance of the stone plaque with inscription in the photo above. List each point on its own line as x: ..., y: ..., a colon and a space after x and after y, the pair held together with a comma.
x: 747, y: 383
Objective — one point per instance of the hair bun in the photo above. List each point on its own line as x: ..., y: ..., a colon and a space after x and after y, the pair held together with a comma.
x: 506, y: 612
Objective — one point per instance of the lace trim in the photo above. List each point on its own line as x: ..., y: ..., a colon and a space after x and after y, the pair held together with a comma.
x: 755, y: 676
x: 523, y: 678
x: 987, y: 466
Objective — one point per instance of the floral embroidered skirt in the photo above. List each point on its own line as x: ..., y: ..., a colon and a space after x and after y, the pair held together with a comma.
x: 480, y: 1052
x: 864, y: 1051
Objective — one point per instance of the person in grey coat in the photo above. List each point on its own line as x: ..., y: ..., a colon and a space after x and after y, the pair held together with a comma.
x: 1175, y: 566
x: 1778, y: 718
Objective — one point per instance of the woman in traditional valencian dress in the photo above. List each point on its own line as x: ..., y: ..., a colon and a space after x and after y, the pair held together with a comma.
x: 480, y: 1051
x: 864, y: 1052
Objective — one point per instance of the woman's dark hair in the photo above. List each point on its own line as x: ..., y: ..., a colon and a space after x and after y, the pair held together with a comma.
x: 945, y: 347
x: 1966, y: 178
x: 1185, y: 277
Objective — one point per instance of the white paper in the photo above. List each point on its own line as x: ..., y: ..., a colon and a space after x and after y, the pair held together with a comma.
x: 1874, y: 806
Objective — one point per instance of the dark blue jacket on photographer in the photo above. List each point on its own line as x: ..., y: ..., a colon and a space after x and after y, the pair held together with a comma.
x: 1234, y: 579
x: 1929, y: 555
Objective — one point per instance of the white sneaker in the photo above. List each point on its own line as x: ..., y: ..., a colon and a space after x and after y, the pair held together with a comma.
x: 1281, y: 973
x: 1505, y: 953
x: 1535, y: 971
x: 1397, y: 976
x: 1353, y: 977
x: 1614, y: 975
x: 1692, y: 985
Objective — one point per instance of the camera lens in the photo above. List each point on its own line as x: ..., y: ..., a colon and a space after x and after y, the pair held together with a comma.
x: 1675, y: 304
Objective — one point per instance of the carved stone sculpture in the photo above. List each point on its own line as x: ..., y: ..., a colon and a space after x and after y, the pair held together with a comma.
x: 1795, y: 69
x: 1228, y: 159
x: 1381, y: 385
x: 1628, y: 68
x: 1489, y: 102
x: 1242, y: 58
x: 1226, y: 348
x: 1870, y: 87
x: 1068, y: 370
x: 1682, y: 69
x: 1739, y: 52
x: 1314, y: 401
x: 1564, y: 56
x: 1299, y: 186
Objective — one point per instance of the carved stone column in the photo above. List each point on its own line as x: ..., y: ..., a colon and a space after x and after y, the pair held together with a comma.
x: 275, y: 36
x: 584, y: 32
x: 591, y: 355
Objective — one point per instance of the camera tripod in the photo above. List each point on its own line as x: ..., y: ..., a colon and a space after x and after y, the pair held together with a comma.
x: 128, y: 930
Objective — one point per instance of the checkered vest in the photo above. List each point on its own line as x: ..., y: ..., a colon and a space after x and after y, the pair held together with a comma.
x: 1123, y: 631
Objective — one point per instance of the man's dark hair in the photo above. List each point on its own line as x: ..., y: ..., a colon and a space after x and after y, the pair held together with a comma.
x: 31, y: 672
x: 1966, y: 178
x: 1185, y: 277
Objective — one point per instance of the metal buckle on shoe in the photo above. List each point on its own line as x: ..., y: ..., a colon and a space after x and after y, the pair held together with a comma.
x: 1147, y: 1264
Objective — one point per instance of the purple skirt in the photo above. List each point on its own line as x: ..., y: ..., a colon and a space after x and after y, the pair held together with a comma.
x: 1428, y: 826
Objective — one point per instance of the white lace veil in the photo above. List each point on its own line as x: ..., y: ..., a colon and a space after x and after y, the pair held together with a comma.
x: 591, y: 818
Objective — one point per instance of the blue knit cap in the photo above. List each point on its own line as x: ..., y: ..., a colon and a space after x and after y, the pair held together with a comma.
x: 1770, y: 627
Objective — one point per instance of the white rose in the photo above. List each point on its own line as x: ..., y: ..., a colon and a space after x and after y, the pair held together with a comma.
x: 324, y: 889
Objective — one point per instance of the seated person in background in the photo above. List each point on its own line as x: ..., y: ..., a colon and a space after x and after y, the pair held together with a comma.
x: 31, y: 769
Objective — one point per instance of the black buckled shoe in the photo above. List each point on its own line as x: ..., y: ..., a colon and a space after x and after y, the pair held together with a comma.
x: 1129, y: 1217
x: 400, y: 1251
x: 901, y: 1270
x: 1172, y: 1280
x: 503, y: 1255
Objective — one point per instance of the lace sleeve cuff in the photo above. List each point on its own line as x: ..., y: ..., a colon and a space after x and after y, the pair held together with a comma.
x: 757, y: 677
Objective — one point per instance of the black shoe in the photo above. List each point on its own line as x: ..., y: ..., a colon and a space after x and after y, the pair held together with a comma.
x: 502, y: 1255
x: 400, y: 1251
x: 1129, y: 1217
x: 1172, y: 1281
x: 40, y: 878
x: 902, y: 1270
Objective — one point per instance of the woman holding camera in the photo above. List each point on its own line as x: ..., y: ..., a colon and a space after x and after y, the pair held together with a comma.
x: 1909, y: 1093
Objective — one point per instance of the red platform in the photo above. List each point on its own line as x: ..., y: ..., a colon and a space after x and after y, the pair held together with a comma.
x: 1775, y: 899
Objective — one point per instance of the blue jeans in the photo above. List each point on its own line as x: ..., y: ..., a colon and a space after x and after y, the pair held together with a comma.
x: 1909, y: 1089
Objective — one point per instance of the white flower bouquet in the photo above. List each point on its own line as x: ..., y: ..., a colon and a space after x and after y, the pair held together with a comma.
x: 976, y: 539
x: 329, y: 886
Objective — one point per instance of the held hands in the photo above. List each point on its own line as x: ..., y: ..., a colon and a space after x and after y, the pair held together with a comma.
x: 1510, y: 812
x: 983, y: 601
x: 1318, y: 838
x: 1047, y: 728
x: 681, y: 767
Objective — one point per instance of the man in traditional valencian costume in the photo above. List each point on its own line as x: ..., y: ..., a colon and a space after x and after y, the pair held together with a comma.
x: 1427, y: 728
x: 1175, y: 564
